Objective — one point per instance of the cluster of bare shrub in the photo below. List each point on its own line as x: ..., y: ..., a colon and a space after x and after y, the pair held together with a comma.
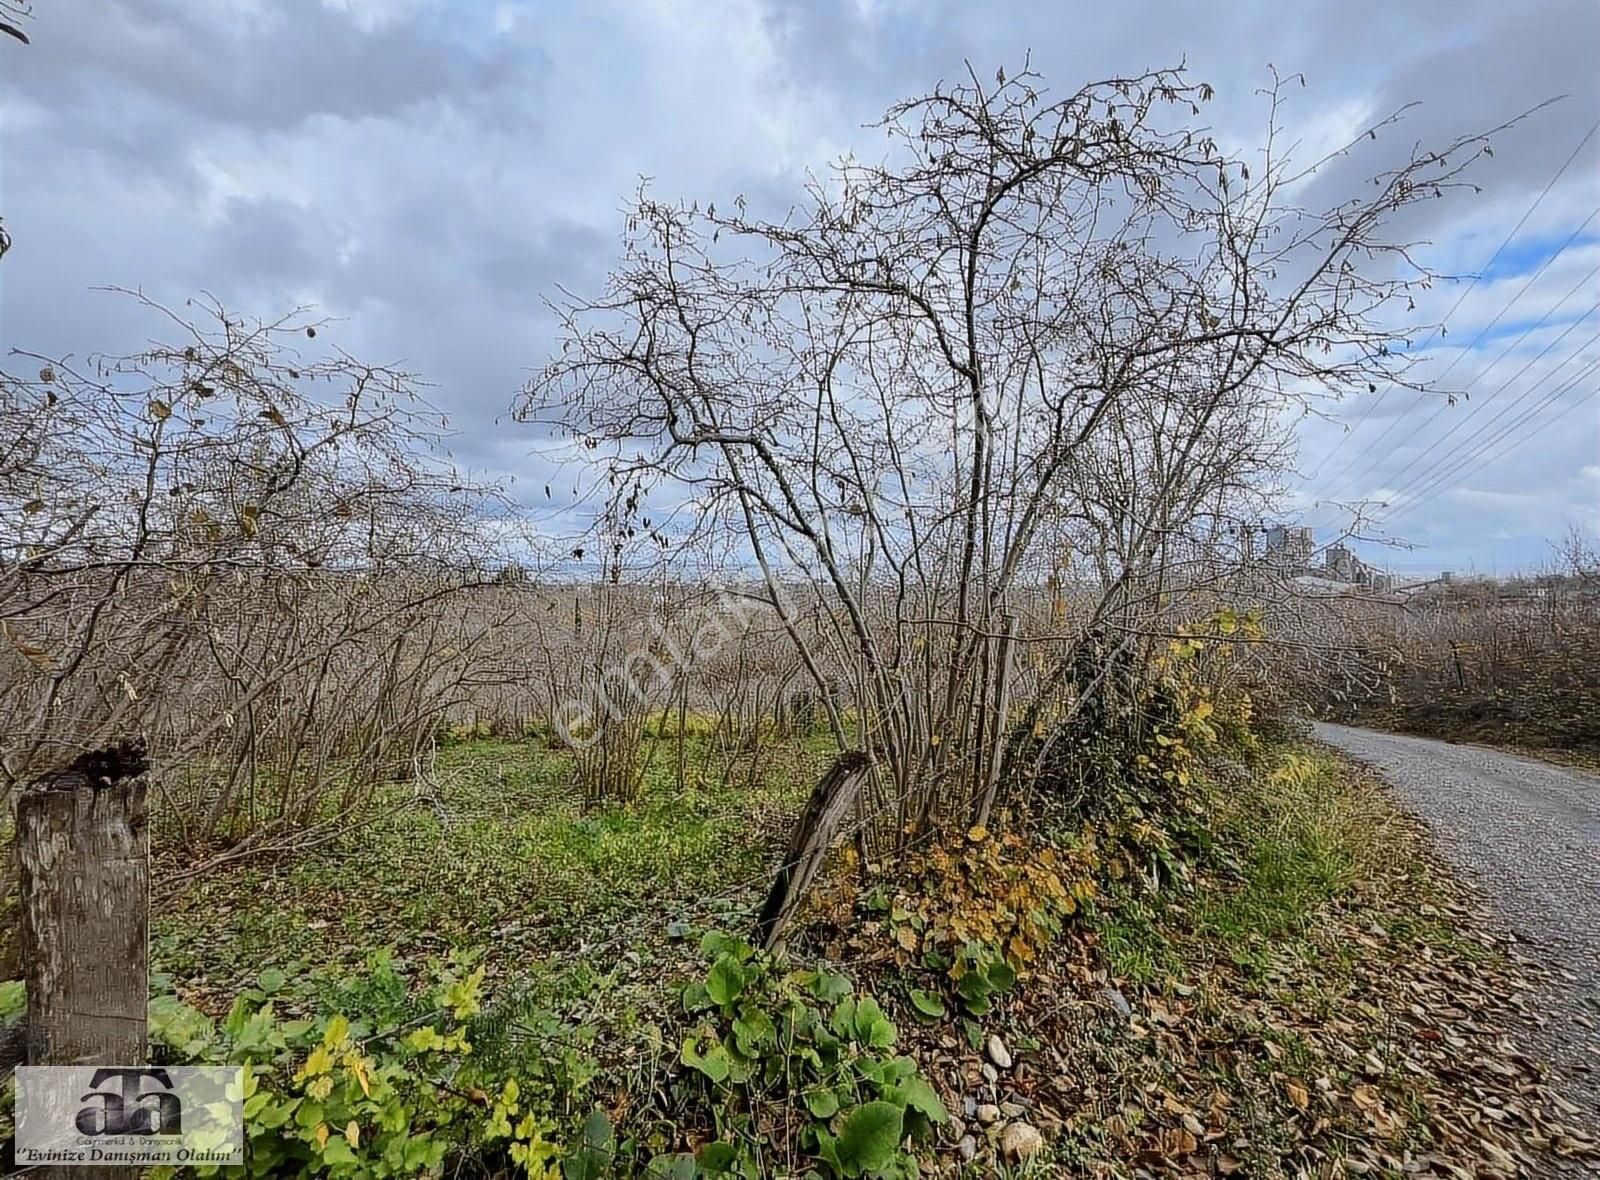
x: 1503, y: 660
x: 966, y: 410
x: 885, y: 468
x: 239, y: 555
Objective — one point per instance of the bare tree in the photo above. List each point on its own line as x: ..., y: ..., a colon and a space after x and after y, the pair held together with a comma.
x: 1043, y: 324
x: 1578, y: 554
x: 237, y: 551
x: 12, y: 13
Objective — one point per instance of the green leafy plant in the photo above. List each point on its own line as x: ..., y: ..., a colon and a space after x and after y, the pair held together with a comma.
x: 769, y: 1044
x: 389, y: 1086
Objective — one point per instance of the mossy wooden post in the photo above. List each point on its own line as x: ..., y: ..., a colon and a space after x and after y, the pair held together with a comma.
x: 814, y: 834
x: 84, y: 875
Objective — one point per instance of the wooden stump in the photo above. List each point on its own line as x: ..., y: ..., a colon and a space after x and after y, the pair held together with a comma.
x: 84, y: 874
x: 814, y: 834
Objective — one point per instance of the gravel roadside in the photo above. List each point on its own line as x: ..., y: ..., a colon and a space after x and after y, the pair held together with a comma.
x: 1528, y: 835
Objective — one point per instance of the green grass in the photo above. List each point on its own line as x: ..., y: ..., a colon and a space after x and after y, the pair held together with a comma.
x: 510, y: 863
x: 1296, y: 837
x: 1285, y: 844
x: 1292, y: 953
x: 1283, y: 887
x: 1129, y: 937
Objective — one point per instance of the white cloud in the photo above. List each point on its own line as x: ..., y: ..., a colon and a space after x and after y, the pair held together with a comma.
x: 428, y: 171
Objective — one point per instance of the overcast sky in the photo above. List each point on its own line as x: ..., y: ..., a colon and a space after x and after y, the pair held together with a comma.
x: 427, y: 171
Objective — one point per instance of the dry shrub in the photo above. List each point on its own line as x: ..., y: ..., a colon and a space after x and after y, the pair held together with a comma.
x: 243, y: 553
x: 1502, y: 662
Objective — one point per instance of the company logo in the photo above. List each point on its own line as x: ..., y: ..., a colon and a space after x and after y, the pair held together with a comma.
x: 129, y: 1114
x: 131, y: 1110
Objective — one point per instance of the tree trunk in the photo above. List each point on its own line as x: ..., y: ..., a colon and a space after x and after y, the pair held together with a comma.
x: 814, y: 834
x: 84, y: 873
x: 993, y: 755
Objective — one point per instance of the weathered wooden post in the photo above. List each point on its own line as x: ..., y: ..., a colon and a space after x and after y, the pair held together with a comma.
x: 814, y: 834
x: 83, y: 858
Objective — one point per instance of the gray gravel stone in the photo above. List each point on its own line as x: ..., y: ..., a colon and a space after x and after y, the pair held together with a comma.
x: 1118, y: 1001
x: 998, y: 1053
x: 1528, y: 835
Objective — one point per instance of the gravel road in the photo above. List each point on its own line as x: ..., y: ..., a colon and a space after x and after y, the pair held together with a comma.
x: 1528, y: 834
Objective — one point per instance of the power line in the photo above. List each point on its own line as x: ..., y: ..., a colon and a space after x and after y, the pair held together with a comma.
x: 1484, y: 402
x: 1592, y: 396
x: 1376, y: 462
x: 1516, y: 229
x: 1425, y: 488
x: 1463, y: 463
x: 1417, y: 477
x: 1546, y: 425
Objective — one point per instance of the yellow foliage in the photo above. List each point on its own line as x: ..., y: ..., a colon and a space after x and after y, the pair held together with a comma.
x: 1000, y: 890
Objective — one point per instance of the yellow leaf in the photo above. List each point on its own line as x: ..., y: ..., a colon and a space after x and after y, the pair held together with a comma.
x: 322, y: 1135
x: 357, y: 1065
x: 338, y: 1029
x: 1297, y: 1094
x: 352, y: 1134
x: 36, y: 656
x: 977, y: 833
x: 319, y: 1062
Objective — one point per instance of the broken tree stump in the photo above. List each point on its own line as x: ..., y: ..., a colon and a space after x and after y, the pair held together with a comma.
x: 83, y: 859
x: 814, y: 834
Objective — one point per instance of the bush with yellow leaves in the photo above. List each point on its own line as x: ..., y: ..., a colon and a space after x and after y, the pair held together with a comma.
x: 980, y: 912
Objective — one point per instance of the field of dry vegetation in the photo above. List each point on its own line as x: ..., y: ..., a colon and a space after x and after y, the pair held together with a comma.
x: 1508, y: 662
x: 489, y: 834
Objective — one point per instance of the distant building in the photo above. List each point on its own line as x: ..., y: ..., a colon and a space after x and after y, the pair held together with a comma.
x: 1342, y: 565
x: 1290, y: 547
